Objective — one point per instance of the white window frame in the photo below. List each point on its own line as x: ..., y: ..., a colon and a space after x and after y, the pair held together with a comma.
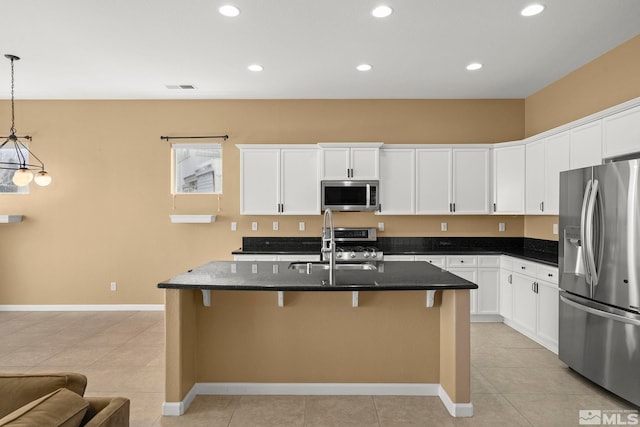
x: 202, y: 174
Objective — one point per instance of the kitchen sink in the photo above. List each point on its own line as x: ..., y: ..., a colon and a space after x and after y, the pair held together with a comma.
x: 310, y: 267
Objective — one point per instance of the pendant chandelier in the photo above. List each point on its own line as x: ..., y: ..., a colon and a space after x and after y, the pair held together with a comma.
x: 23, y: 174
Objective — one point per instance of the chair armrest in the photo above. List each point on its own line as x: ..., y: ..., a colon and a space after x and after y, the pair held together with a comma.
x: 107, y: 412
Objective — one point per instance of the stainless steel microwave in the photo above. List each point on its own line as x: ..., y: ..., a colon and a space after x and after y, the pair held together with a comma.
x: 354, y: 195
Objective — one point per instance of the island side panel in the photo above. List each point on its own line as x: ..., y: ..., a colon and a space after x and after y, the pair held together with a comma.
x: 455, y: 345
x: 180, y: 343
x: 318, y: 337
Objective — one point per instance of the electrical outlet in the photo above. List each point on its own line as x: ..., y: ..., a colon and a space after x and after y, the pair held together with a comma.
x: 254, y: 226
x: 555, y: 228
x: 301, y: 226
x: 275, y: 225
x: 443, y: 226
x: 381, y: 226
x: 501, y: 226
x: 114, y: 286
x: 234, y: 226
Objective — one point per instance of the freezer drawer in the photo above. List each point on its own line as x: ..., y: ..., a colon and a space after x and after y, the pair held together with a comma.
x: 602, y: 344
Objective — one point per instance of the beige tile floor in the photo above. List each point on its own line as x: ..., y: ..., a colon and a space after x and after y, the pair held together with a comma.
x: 515, y: 382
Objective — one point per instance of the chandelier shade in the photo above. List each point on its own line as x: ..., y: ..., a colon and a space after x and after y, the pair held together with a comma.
x: 21, y: 162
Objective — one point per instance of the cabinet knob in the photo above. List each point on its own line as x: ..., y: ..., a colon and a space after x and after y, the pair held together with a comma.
x: 461, y: 261
x: 550, y: 275
x: 523, y: 267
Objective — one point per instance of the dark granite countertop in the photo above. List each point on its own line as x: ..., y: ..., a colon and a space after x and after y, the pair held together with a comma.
x: 280, y: 276
x: 537, y: 250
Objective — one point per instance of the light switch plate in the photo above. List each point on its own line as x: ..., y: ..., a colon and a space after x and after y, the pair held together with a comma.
x: 275, y: 225
x: 443, y: 226
x: 301, y: 226
x: 234, y: 226
x: 254, y: 226
x: 381, y: 226
x: 501, y: 226
x: 555, y: 228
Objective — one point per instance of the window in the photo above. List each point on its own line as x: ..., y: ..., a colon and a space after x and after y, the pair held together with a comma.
x: 197, y: 168
x: 8, y: 155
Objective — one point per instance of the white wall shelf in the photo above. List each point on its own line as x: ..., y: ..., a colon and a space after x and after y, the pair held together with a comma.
x: 5, y: 219
x: 192, y: 219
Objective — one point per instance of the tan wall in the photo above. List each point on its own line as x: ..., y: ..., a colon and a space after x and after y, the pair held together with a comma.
x: 105, y: 217
x: 609, y: 80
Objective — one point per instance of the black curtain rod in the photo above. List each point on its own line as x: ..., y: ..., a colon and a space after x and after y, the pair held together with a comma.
x: 167, y: 138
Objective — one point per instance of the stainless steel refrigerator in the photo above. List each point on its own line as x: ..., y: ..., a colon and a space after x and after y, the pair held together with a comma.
x: 599, y: 263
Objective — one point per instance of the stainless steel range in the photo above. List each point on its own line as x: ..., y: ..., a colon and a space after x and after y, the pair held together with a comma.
x: 356, y: 244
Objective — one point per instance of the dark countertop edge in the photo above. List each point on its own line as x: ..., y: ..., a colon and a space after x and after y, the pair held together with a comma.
x: 316, y: 288
x: 534, y: 258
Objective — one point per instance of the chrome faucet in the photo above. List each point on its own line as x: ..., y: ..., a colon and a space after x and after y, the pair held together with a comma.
x: 329, y: 244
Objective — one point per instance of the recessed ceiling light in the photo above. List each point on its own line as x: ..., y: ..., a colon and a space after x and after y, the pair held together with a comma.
x: 255, y: 67
x: 532, y: 9
x: 382, y: 11
x: 229, y: 10
x: 363, y: 67
x: 474, y: 66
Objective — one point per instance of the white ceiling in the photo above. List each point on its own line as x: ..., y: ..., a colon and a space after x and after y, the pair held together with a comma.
x: 132, y: 49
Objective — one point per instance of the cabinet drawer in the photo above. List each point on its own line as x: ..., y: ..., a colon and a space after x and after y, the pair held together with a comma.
x: 437, y: 260
x: 506, y: 262
x: 488, y: 261
x: 462, y: 261
x: 255, y: 257
x: 525, y: 267
x: 548, y: 274
x: 399, y: 258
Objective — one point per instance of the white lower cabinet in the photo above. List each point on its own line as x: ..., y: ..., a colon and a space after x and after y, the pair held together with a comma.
x: 534, y: 301
x: 506, y: 288
x: 484, y: 271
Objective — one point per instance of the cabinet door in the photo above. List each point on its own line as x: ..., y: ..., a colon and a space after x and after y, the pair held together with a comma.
x: 488, y: 291
x: 524, y: 303
x: 470, y: 274
x: 534, y: 177
x: 259, y: 181
x: 548, y: 316
x: 557, y: 153
x: 365, y: 162
x: 471, y: 181
x: 506, y: 294
x: 335, y: 162
x: 433, y: 181
x: 508, y: 180
x: 621, y: 133
x: 299, y: 181
x: 586, y: 145
x: 399, y: 258
x: 397, y: 181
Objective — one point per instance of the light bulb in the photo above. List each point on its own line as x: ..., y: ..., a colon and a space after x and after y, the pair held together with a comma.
x: 22, y: 177
x: 42, y: 178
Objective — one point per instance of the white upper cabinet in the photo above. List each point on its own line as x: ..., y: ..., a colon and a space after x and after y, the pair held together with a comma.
x: 397, y: 181
x: 508, y: 180
x: 545, y: 159
x: 586, y: 145
x: 557, y: 159
x: 340, y: 161
x: 433, y: 181
x: 470, y: 181
x: 621, y: 133
x: 279, y: 181
x: 452, y: 181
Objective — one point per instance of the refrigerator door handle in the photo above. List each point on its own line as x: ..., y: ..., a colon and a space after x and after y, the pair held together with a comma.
x: 583, y: 220
x: 591, y: 256
x: 595, y: 311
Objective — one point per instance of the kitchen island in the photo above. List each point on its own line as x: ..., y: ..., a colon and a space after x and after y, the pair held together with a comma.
x: 227, y: 333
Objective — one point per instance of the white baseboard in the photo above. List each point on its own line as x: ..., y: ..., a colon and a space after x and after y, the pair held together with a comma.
x: 457, y: 410
x: 492, y: 318
x: 318, y: 389
x: 83, y: 307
